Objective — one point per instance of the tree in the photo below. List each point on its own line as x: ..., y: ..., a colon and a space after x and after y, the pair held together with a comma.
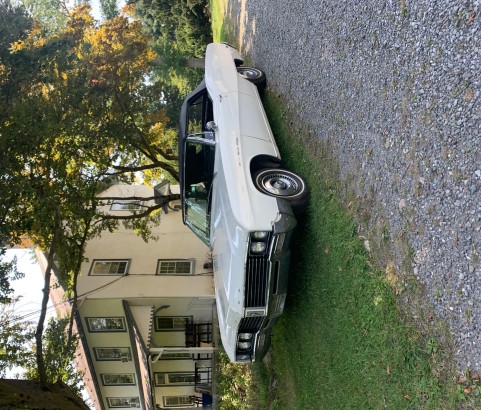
x: 180, y: 31
x: 75, y: 112
x: 183, y: 24
x: 90, y: 85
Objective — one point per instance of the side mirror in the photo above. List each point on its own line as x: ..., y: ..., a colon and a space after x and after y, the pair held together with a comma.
x: 211, y: 126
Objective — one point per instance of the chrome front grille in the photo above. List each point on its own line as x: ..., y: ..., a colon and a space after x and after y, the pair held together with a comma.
x: 250, y: 324
x: 257, y: 281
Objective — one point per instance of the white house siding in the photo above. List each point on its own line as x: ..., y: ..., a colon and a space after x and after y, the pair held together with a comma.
x: 175, y: 241
x: 145, y: 293
x: 143, y: 318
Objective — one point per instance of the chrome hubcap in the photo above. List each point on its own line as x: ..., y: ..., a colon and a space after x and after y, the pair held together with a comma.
x: 280, y: 185
x: 248, y: 74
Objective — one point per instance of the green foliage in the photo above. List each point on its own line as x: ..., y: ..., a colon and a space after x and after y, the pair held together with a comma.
x: 8, y: 272
x: 109, y: 9
x: 15, y: 340
x: 234, y: 383
x: 58, y: 356
x: 175, y: 82
x: 180, y: 32
x: 51, y: 14
x: 182, y: 24
x: 14, y: 24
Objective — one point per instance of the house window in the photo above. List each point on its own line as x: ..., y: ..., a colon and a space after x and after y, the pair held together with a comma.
x: 175, y: 378
x: 177, y: 401
x: 171, y: 323
x: 112, y: 354
x: 175, y: 267
x: 125, y: 205
x: 118, y: 379
x: 109, y: 267
x: 106, y: 324
x: 123, y: 402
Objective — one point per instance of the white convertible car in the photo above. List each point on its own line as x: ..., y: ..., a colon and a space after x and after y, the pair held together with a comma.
x: 238, y: 200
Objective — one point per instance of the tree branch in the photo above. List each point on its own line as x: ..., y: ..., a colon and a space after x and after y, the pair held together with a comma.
x: 142, y: 214
x: 146, y: 148
x: 158, y: 164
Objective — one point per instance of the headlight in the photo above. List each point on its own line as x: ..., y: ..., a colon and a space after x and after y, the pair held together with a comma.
x: 244, y: 345
x: 245, y: 336
x: 260, y: 234
x: 258, y: 247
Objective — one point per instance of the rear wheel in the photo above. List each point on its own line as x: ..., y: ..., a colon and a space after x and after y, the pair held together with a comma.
x: 284, y: 184
x: 254, y: 75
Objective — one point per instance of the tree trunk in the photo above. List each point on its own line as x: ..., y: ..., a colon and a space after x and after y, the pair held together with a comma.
x: 190, y: 62
x: 43, y: 312
x: 81, y: 250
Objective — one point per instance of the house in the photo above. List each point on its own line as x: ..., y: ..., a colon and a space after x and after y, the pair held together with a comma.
x: 145, y: 312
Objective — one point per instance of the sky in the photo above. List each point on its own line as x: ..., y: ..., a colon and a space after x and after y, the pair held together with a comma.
x: 30, y: 287
x: 96, y: 9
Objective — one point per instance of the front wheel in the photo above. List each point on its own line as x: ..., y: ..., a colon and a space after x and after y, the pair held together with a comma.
x: 254, y: 75
x: 284, y: 184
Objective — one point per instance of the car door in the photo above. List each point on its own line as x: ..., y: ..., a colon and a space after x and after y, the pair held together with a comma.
x: 198, y: 153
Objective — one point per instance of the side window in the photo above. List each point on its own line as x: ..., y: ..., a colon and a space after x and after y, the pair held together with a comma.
x: 175, y: 378
x: 199, y: 113
x: 178, y: 401
x: 199, y: 168
x: 199, y: 175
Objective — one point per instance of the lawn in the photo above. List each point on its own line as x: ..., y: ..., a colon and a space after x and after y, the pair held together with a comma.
x: 342, y: 341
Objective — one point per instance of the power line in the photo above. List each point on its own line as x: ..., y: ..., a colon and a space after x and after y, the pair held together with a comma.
x: 26, y: 317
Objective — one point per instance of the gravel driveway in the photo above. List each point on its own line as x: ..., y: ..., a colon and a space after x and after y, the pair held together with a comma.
x: 394, y: 86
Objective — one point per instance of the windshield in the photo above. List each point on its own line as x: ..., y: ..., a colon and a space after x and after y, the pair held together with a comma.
x: 199, y: 174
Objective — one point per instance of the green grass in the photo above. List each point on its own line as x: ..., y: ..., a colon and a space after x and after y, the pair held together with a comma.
x: 217, y: 11
x: 341, y: 342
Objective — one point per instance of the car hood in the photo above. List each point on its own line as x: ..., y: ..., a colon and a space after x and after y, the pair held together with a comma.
x: 229, y: 244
